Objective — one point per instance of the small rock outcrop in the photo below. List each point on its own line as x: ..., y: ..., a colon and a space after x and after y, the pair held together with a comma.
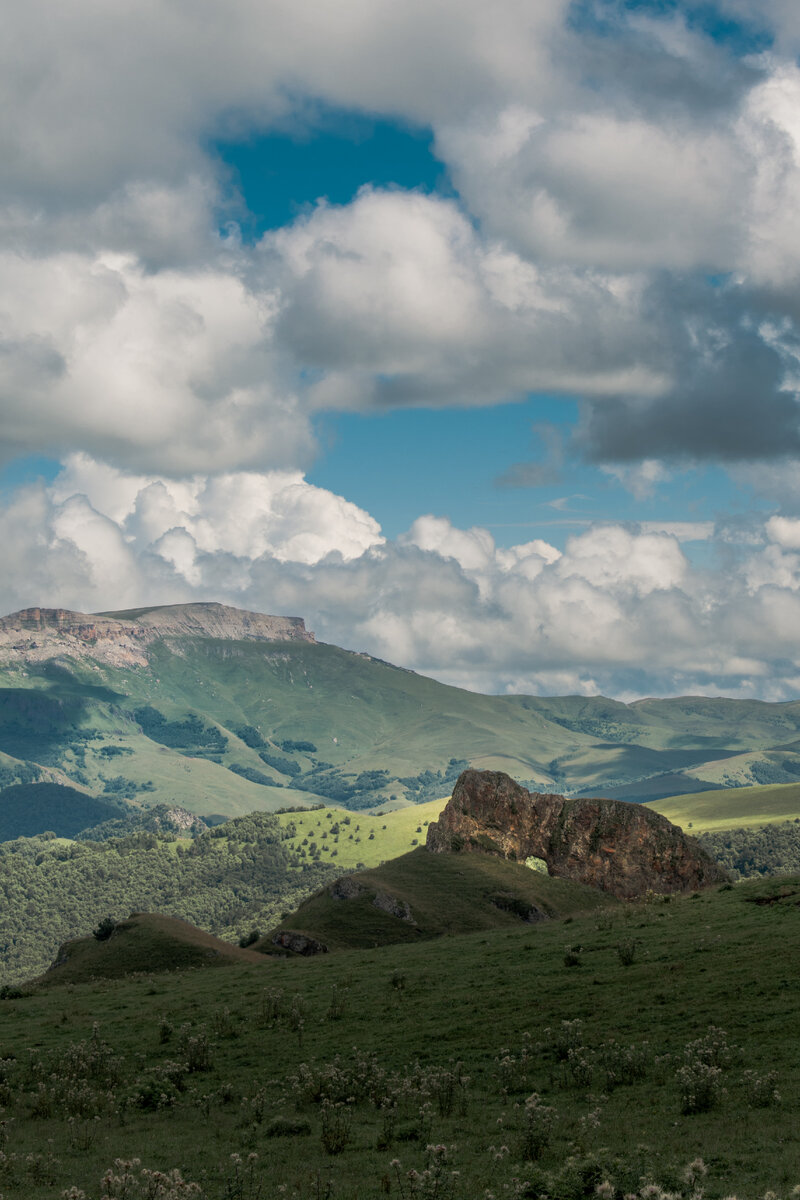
x: 349, y: 888
x: 394, y: 906
x: 624, y: 849
x: 346, y: 888
x: 298, y: 943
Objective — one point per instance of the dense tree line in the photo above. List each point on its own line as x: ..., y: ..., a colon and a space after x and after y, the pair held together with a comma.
x: 29, y: 808
x: 746, y: 853
x: 431, y: 785
x: 227, y: 880
x: 178, y: 735
x: 368, y: 788
x: 254, y: 775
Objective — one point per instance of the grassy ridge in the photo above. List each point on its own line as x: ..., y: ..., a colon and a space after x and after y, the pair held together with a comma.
x: 730, y: 808
x: 429, y: 895
x: 143, y: 942
x: 268, y: 1043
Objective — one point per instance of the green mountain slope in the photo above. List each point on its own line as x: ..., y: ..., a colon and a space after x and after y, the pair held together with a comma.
x: 226, y: 724
x: 28, y: 808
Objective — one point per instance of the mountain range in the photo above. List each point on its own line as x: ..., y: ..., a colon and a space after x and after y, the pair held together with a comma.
x: 223, y: 712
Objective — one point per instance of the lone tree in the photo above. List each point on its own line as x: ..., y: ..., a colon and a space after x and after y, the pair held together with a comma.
x: 105, y: 929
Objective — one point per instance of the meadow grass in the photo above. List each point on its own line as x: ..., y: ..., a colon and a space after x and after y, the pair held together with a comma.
x: 361, y: 837
x: 344, y: 1073
x: 732, y: 808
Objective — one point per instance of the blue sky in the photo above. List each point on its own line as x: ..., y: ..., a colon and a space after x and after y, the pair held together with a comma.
x: 468, y: 333
x: 400, y: 463
x: 330, y: 154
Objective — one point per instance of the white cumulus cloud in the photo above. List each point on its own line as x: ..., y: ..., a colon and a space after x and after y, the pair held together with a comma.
x: 619, y: 610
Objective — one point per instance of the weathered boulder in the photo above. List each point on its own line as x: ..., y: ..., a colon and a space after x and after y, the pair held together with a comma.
x: 624, y: 849
x: 346, y: 888
x: 298, y: 943
x: 394, y: 906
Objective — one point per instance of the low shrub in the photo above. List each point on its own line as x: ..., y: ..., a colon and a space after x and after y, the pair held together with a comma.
x: 337, y: 1119
x: 540, y: 1120
x: 761, y: 1090
x: 700, y: 1086
x: 626, y: 951
x: 287, y: 1127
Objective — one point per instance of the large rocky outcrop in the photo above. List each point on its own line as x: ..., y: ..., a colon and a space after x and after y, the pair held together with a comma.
x: 122, y: 638
x: 624, y: 849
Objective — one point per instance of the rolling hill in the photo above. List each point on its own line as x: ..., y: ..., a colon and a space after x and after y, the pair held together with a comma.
x: 143, y: 942
x: 732, y: 808
x: 422, y: 895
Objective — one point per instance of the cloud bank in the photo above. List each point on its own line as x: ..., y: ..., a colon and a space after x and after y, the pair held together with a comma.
x: 622, y: 232
x: 621, y: 610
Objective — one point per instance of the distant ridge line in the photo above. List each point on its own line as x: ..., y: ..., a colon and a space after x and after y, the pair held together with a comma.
x: 121, y: 637
x: 216, y: 620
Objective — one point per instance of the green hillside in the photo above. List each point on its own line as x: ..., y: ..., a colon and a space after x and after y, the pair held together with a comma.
x: 358, y: 839
x: 28, y: 808
x: 422, y: 895
x: 225, y: 727
x: 228, y: 880
x: 143, y: 942
x: 731, y: 808
x: 612, y: 1049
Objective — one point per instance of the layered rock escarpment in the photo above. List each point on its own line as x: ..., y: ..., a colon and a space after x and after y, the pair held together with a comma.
x: 624, y: 849
x: 121, y: 639
x: 218, y: 621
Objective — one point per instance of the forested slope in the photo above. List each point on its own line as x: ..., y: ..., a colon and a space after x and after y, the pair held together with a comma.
x: 748, y: 853
x: 227, y: 880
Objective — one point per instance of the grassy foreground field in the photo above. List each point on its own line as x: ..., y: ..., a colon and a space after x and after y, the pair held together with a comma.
x: 651, y: 1035
x: 732, y: 808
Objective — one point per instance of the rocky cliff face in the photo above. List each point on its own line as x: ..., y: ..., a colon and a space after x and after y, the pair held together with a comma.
x: 217, y: 621
x: 624, y: 849
x: 121, y: 639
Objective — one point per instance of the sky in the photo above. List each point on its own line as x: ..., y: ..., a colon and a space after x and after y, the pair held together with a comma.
x: 468, y: 332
